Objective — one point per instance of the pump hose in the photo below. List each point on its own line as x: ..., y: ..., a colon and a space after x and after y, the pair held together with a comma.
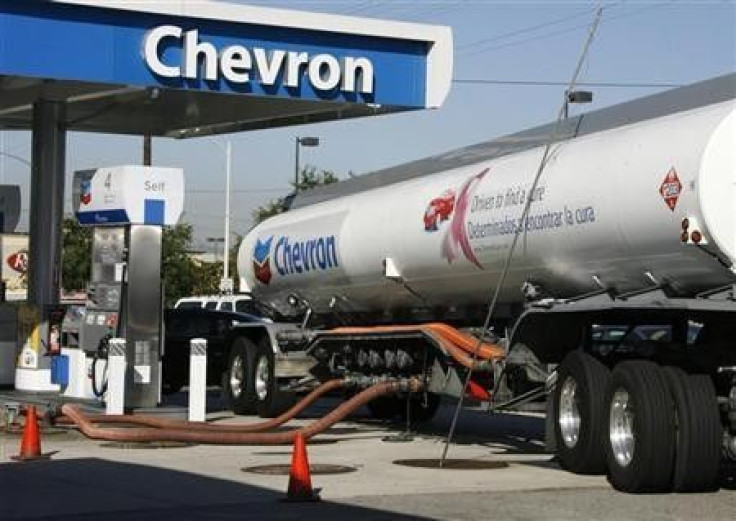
x: 99, y: 393
x: 237, y: 438
x: 161, y: 423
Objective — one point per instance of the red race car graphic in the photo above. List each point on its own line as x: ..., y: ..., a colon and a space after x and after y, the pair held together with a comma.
x: 439, y: 210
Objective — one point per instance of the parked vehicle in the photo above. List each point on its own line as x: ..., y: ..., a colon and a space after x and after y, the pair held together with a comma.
x: 181, y: 325
x: 239, y: 303
x: 619, y: 304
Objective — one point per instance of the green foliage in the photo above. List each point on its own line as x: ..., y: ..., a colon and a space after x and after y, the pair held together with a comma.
x: 77, y: 249
x: 233, y: 258
x: 271, y: 208
x: 207, y: 279
x: 178, y: 271
x: 308, y: 178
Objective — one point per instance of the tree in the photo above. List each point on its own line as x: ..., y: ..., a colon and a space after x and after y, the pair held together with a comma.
x: 308, y: 178
x: 77, y: 251
x: 177, y: 268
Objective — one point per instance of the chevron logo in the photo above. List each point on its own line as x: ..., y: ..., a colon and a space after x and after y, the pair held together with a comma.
x: 262, y: 260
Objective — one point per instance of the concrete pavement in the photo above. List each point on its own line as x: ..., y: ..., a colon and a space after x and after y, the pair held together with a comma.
x: 87, y: 479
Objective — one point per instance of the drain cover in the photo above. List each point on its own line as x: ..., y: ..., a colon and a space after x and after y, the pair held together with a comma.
x: 453, y: 464
x: 283, y: 470
x: 146, y: 445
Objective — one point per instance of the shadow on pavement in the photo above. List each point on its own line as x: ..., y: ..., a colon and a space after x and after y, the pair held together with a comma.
x: 518, y: 434
x: 92, y: 488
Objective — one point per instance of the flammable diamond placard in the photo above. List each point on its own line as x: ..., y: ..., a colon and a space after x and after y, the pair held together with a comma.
x: 671, y: 188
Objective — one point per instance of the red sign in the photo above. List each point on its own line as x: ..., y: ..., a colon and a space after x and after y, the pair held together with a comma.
x: 18, y: 261
x: 671, y: 189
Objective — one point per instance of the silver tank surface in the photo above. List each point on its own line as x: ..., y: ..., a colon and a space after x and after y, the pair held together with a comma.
x: 609, y: 207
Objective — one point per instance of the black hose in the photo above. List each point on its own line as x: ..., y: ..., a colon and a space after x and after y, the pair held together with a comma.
x: 100, y: 354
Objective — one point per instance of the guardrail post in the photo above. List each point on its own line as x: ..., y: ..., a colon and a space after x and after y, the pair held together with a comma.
x: 197, y: 379
x: 115, y: 397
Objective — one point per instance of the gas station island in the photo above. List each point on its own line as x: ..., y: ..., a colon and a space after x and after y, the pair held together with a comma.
x: 179, y: 70
x: 615, y: 326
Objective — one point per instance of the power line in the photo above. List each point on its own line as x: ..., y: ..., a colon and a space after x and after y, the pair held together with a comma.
x: 573, y: 28
x: 529, y: 29
x: 534, y: 83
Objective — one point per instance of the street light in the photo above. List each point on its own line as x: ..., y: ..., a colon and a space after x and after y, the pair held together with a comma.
x: 301, y: 142
x: 576, y: 96
x: 226, y: 285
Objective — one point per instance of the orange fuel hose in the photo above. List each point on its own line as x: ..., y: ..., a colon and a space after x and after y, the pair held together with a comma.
x: 160, y: 423
x: 468, y: 343
x: 141, y: 434
x: 466, y: 360
x: 457, y: 344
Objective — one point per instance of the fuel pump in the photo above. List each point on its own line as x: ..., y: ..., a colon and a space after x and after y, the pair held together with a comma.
x: 126, y: 207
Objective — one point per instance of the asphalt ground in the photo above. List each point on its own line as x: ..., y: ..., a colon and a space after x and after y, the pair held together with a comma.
x: 87, y: 479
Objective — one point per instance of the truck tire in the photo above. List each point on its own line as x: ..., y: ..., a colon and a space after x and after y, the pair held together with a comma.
x: 641, y: 428
x: 698, y: 431
x: 237, y: 381
x: 270, y: 400
x: 580, y: 411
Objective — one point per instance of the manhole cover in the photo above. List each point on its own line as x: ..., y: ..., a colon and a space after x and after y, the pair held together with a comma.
x: 147, y: 445
x: 283, y: 470
x: 453, y: 464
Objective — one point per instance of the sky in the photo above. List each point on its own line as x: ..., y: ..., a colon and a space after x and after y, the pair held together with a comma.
x: 641, y: 46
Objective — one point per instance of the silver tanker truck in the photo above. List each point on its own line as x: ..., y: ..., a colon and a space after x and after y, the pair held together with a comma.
x: 618, y: 305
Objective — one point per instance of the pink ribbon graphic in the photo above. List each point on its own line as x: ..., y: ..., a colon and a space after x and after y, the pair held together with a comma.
x: 456, y: 235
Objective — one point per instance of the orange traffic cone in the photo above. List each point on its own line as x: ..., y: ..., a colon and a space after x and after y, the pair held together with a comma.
x: 300, y: 482
x: 30, y: 445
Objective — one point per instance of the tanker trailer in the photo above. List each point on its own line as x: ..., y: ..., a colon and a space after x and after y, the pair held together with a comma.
x: 618, y: 304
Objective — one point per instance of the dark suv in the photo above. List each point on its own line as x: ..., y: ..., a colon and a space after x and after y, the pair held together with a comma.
x: 183, y: 324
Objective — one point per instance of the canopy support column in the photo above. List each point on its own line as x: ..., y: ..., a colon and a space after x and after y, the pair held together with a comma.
x: 44, y: 256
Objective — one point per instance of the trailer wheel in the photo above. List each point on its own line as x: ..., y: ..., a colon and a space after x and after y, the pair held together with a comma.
x: 237, y: 384
x: 270, y: 400
x: 698, y: 431
x: 579, y: 411
x: 641, y: 428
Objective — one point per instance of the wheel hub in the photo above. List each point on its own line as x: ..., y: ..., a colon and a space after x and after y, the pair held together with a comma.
x: 621, y: 427
x: 236, y: 376
x: 569, y: 414
x: 262, y: 378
